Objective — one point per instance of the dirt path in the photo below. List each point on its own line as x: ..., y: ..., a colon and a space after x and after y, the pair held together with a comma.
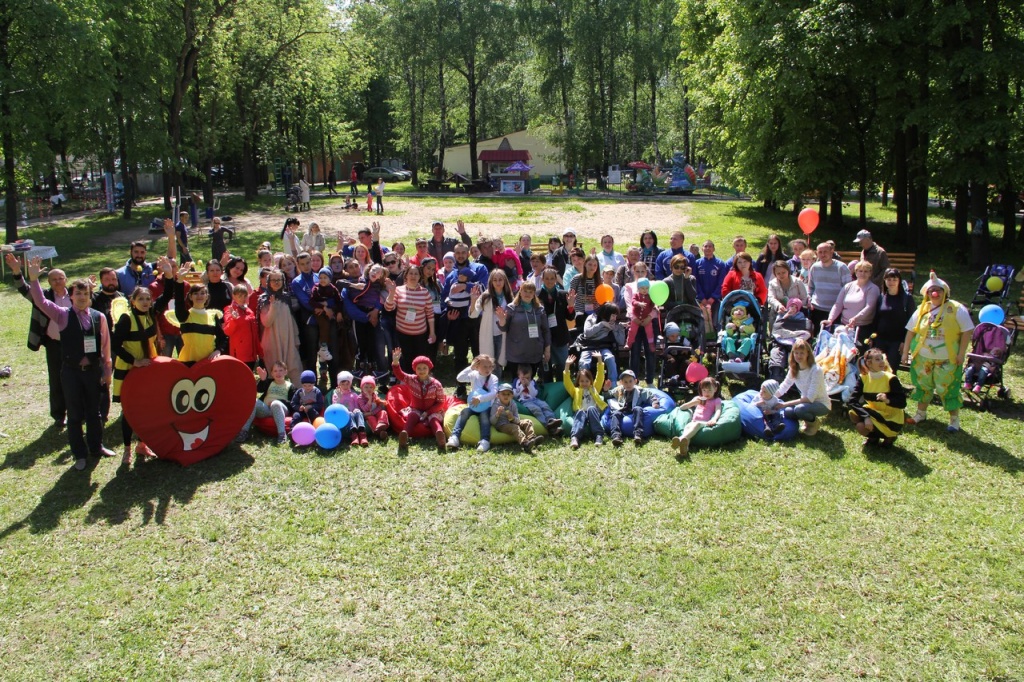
x: 411, y: 217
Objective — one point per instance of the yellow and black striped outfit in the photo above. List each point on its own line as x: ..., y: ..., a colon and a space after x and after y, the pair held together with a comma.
x: 132, y: 340
x: 887, y: 418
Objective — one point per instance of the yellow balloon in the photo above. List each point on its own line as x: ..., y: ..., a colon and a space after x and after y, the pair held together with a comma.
x: 994, y: 284
x: 317, y: 422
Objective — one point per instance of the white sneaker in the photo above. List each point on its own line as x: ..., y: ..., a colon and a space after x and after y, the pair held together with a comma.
x: 954, y: 424
x: 919, y: 417
x: 484, y: 446
x: 324, y: 354
x: 453, y: 442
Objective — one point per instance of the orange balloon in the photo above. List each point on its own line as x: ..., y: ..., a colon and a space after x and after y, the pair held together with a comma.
x: 604, y: 294
x: 317, y: 422
x: 808, y: 220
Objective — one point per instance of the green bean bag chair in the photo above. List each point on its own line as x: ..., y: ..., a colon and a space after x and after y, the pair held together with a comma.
x: 553, y: 393
x: 471, y: 434
x: 565, y: 412
x: 728, y: 428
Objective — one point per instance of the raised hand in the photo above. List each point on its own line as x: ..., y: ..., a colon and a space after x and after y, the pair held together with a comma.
x: 570, y: 360
x: 34, y: 266
x: 460, y: 226
x: 13, y: 263
x: 396, y: 355
x: 261, y: 373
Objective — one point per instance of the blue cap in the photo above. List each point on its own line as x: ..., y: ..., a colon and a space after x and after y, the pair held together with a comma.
x: 326, y: 271
x: 466, y: 272
x: 671, y: 328
x: 307, y: 377
x: 643, y: 283
x: 504, y: 387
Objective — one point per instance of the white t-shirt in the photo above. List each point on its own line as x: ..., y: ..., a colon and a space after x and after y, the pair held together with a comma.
x: 934, y: 347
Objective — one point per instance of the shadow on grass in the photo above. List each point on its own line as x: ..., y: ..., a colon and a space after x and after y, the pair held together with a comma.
x: 72, y: 491
x: 897, y: 457
x: 983, y: 452
x: 152, y: 486
x: 49, y: 442
x: 825, y: 441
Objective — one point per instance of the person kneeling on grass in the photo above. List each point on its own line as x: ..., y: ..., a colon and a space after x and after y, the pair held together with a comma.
x: 587, y: 403
x: 525, y: 391
x: 877, y: 403
x: 628, y: 398
x: 707, y: 408
x: 426, y: 398
x: 505, y: 418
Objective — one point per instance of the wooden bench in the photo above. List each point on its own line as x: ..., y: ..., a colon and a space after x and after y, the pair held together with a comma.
x: 1015, y: 323
x: 906, y: 263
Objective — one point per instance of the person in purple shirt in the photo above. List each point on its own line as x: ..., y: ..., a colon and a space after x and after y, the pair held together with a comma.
x: 86, y: 365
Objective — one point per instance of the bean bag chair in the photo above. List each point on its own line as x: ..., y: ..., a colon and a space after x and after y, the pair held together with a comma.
x: 725, y: 431
x: 753, y: 422
x: 267, y: 426
x: 565, y: 412
x: 665, y: 404
x: 553, y: 393
x: 398, y: 400
x: 471, y: 434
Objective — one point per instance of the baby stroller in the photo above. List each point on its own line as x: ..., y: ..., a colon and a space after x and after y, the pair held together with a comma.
x: 676, y: 356
x: 990, y: 344
x: 293, y: 198
x: 781, y: 337
x: 1000, y: 296
x: 747, y: 370
x: 836, y: 353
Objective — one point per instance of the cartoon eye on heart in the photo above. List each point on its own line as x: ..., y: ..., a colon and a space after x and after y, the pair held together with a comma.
x: 188, y: 414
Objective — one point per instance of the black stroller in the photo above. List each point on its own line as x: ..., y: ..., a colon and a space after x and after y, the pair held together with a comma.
x: 998, y: 294
x: 676, y: 356
x: 293, y: 198
x: 783, y: 333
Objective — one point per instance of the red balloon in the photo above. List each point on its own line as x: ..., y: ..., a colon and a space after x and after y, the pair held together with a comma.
x: 808, y: 220
x: 696, y: 372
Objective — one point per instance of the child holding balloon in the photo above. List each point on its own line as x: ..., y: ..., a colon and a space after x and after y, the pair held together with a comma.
x: 344, y: 395
x: 483, y: 387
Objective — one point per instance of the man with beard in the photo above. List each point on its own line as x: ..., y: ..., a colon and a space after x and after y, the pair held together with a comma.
x: 136, y: 271
x: 102, y: 299
x: 463, y: 330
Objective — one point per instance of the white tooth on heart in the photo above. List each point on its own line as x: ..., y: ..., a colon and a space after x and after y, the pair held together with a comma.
x: 191, y: 441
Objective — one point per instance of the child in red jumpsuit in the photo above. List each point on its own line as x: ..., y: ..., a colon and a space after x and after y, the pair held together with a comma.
x: 426, y: 398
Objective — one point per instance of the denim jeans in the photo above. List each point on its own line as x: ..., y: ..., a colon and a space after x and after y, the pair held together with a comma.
x: 806, y: 412
x: 276, y: 409
x: 611, y: 371
x: 485, y: 423
x: 615, y: 418
x: 589, y: 417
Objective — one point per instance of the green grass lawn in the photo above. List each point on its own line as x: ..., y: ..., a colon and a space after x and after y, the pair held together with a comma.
x: 806, y: 560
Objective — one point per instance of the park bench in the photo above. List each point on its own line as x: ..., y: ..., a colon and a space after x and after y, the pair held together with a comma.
x: 1015, y: 323
x: 906, y: 263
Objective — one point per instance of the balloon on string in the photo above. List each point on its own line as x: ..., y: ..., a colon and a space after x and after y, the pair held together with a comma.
x: 808, y: 220
x: 328, y: 436
x: 337, y: 415
x: 992, y: 314
x: 303, y: 433
x: 993, y: 284
x: 604, y: 294
x: 695, y: 372
x: 658, y: 292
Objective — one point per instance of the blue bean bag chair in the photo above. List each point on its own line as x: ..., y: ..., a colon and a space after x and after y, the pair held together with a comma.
x: 665, y: 404
x: 471, y: 433
x: 726, y: 430
x: 753, y: 422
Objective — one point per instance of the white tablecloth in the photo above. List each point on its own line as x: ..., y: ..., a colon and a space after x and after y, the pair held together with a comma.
x: 44, y: 252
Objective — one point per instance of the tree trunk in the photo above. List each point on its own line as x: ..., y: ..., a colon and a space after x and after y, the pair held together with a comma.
x: 473, y: 91
x: 900, y: 184
x: 1008, y: 203
x: 835, y: 218
x: 634, y: 140
x: 687, y: 150
x: 654, y: 120
x: 249, y: 170
x: 981, y: 253
x: 442, y: 114
x: 961, y: 230
x: 885, y: 193
x: 822, y: 207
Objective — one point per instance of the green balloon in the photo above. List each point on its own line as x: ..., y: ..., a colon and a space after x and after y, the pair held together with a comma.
x: 659, y: 293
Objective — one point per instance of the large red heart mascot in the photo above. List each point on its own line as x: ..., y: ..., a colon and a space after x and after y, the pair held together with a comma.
x: 187, y: 414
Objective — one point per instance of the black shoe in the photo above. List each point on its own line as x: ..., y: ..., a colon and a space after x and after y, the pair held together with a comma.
x: 779, y: 428
x: 768, y: 433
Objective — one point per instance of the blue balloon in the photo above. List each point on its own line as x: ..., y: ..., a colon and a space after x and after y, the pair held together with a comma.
x: 337, y: 415
x: 328, y: 436
x: 992, y: 314
x: 483, y: 406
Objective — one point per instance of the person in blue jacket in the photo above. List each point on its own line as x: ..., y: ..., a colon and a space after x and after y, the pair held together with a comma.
x: 662, y: 268
x: 710, y: 272
x: 463, y: 330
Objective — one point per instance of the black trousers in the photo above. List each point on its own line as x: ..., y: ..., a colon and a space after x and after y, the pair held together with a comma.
x: 82, y: 396
x: 412, y: 345
x: 54, y: 362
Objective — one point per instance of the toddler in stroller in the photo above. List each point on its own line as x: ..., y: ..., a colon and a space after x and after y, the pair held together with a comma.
x: 739, y: 330
x: 989, y: 348
x: 789, y: 325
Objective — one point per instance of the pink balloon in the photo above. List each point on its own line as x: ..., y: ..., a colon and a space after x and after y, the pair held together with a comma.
x: 303, y: 433
x: 808, y: 220
x: 696, y: 372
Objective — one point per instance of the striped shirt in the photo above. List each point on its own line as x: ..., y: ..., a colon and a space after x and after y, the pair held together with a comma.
x: 825, y: 283
x: 412, y: 306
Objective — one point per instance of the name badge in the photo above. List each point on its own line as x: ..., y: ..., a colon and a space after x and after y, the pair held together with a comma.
x: 437, y: 308
x: 410, y: 316
x: 552, y: 321
x: 534, y: 331
x: 90, y: 344
x: 589, y: 308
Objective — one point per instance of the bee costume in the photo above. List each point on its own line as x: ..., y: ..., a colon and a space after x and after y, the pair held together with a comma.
x: 132, y: 340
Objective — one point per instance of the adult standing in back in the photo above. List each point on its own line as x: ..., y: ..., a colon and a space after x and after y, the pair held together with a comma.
x: 663, y: 263
x: 380, y: 196
x: 874, y: 254
x: 439, y: 244
x: 825, y: 279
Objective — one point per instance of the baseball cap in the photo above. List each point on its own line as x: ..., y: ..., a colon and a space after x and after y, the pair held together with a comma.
x: 627, y: 373
x: 506, y: 387
x: 466, y: 272
x: 863, y: 234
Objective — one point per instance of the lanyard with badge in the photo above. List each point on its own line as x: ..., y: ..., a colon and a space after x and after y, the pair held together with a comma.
x: 532, y: 329
x: 89, y: 341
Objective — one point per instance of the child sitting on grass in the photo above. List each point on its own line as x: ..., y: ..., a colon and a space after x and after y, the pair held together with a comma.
x: 505, y: 417
x: 587, y: 403
x: 525, y: 391
x: 373, y: 407
x: 308, y: 401
x: 707, y: 408
x: 344, y: 395
x: 878, y: 401
x: 771, y: 409
x: 482, y: 381
x: 426, y: 398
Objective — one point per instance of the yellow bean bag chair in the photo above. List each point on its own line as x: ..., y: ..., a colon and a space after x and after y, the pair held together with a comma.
x: 471, y: 434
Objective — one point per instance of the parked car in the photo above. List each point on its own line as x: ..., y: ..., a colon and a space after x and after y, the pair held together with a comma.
x: 406, y: 175
x: 379, y: 172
